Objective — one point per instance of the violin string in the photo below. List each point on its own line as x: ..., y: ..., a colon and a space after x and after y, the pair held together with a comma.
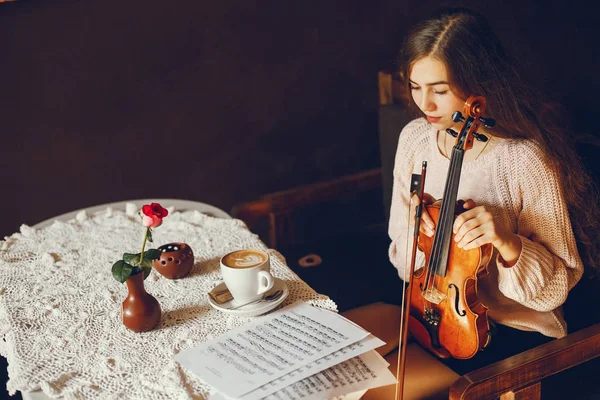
x: 433, y: 260
x: 443, y: 220
x: 434, y: 253
x: 453, y: 188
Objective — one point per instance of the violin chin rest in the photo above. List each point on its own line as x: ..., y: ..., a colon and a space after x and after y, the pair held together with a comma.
x: 421, y: 335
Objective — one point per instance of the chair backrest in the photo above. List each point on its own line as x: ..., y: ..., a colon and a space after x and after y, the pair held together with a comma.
x: 393, y: 116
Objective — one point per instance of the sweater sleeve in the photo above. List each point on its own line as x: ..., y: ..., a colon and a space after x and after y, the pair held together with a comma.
x: 398, y: 228
x: 549, y: 264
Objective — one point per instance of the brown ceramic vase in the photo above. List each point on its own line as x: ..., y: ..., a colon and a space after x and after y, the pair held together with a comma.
x: 141, y: 311
x: 175, y: 261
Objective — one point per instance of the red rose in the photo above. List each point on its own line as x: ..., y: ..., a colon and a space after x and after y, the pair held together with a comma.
x: 153, y: 215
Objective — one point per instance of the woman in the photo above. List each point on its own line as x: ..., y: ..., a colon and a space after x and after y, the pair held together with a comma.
x: 514, y: 187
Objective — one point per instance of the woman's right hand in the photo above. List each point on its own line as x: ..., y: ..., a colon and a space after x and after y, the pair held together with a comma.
x: 426, y: 226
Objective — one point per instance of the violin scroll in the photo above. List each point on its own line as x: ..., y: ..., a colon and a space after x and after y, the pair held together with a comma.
x: 473, y: 108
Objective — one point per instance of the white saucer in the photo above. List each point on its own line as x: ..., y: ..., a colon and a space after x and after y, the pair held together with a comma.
x: 251, y: 310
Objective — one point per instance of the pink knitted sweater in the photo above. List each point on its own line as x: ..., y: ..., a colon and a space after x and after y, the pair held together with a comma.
x: 522, y: 191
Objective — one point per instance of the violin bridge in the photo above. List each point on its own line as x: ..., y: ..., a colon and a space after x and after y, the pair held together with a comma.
x: 433, y: 295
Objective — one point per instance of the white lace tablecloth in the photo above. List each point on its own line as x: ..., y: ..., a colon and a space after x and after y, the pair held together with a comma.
x: 60, y: 306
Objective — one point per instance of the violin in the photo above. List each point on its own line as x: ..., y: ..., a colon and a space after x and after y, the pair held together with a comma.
x: 442, y: 310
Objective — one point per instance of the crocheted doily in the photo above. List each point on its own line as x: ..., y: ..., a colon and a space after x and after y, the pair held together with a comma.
x: 60, y: 307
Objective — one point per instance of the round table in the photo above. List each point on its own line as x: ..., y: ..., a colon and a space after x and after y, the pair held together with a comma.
x: 67, y: 337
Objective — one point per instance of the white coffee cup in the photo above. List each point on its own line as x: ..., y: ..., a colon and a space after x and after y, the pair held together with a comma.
x: 247, y: 274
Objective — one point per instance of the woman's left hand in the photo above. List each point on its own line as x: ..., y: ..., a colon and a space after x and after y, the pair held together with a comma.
x: 477, y: 226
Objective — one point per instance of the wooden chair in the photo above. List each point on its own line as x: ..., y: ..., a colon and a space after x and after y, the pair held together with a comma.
x: 293, y: 221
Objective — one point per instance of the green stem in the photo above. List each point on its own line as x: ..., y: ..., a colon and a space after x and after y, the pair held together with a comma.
x: 144, y: 245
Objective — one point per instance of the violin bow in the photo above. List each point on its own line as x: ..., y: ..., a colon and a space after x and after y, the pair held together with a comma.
x: 401, y: 367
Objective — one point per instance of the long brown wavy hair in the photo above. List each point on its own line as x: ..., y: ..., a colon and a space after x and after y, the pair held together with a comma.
x: 478, y: 64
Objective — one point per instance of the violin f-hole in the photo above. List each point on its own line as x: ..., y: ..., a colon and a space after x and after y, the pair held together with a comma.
x: 456, y: 300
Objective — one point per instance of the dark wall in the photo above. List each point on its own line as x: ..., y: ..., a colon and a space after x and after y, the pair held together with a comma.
x: 223, y: 101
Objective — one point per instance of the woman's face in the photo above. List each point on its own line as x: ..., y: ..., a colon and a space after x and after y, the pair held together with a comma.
x: 431, y: 92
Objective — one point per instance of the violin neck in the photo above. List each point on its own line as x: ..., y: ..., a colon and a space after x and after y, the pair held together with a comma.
x: 441, y: 244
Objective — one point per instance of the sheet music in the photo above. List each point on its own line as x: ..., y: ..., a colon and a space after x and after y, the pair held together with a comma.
x: 266, y: 349
x: 355, y: 349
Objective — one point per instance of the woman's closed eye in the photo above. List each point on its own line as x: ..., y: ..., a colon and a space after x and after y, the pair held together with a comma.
x: 438, y: 92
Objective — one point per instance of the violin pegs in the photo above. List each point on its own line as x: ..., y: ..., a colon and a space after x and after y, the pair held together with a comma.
x: 452, y: 132
x: 488, y: 122
x: 480, y: 137
x: 457, y: 117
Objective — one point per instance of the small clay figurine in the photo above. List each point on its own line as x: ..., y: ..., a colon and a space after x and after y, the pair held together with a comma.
x: 176, y: 260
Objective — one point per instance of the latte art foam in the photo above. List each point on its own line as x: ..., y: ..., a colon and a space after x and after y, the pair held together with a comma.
x: 244, y: 259
x: 248, y: 261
